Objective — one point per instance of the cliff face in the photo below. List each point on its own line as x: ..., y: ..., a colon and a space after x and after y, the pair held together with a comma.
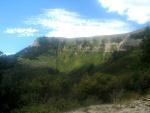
x: 93, y: 44
x: 129, y: 42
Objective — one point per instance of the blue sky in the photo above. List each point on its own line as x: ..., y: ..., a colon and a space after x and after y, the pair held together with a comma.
x: 22, y: 21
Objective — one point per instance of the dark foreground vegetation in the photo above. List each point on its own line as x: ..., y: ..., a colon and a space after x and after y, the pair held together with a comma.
x: 36, y: 85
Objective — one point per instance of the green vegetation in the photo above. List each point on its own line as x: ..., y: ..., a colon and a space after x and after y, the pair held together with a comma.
x: 145, y: 47
x: 61, y: 75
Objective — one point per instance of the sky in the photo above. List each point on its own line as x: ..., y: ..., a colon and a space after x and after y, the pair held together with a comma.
x: 22, y: 21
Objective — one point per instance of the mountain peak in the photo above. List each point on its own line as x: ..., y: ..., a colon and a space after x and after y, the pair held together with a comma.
x: 38, y: 41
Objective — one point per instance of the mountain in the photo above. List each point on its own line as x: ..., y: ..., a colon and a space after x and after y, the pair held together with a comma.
x: 99, y: 43
x: 78, y: 55
x: 103, y: 44
x: 56, y: 74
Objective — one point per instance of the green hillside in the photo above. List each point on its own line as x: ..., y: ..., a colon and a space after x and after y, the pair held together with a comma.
x: 57, y: 74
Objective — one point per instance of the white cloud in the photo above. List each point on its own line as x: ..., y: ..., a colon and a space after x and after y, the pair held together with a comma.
x: 62, y: 23
x: 135, y: 10
x: 21, y: 31
x: 9, y: 53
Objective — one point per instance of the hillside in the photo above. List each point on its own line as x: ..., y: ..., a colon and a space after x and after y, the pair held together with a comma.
x: 57, y: 74
x: 68, y: 55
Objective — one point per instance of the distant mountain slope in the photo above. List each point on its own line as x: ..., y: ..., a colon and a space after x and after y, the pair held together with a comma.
x: 104, y: 44
x: 78, y: 55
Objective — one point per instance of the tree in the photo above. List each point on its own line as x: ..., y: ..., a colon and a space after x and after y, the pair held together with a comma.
x: 145, y: 47
x: 1, y: 53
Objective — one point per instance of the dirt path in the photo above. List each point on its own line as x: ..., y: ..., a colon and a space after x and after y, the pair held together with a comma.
x: 138, y: 106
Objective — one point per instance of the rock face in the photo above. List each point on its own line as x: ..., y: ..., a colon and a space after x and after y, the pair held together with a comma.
x: 39, y: 41
x: 138, y: 106
x: 104, y: 44
x: 128, y: 42
x: 35, y: 44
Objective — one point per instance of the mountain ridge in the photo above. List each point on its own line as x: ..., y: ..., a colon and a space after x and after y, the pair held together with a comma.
x: 104, y: 43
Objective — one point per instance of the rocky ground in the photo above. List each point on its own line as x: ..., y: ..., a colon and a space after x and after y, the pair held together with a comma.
x: 137, y: 106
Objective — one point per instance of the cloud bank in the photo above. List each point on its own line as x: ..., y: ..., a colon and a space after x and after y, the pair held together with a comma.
x: 21, y: 31
x: 62, y: 23
x: 135, y: 10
